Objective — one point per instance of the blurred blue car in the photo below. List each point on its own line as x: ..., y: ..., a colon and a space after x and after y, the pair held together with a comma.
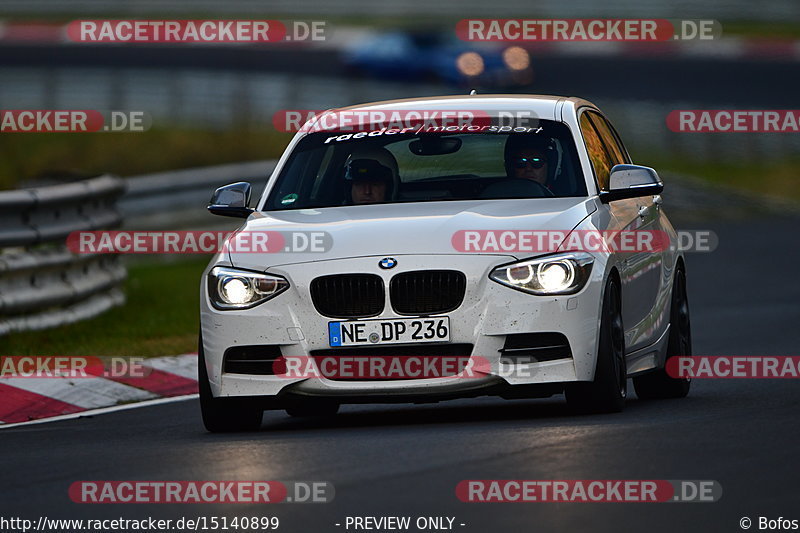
x: 437, y: 56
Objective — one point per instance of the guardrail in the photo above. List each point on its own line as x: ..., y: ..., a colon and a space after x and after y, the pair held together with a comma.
x: 42, y: 283
x: 176, y: 199
x: 228, y: 99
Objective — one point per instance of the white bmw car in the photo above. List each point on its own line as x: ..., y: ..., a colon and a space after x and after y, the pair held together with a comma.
x: 426, y: 260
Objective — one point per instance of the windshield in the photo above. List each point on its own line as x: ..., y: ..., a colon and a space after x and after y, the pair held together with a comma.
x: 388, y: 166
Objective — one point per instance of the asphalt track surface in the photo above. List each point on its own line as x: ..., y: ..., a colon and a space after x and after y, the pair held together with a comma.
x: 407, y: 459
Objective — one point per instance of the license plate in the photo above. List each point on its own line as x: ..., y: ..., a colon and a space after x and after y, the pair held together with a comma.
x: 389, y: 331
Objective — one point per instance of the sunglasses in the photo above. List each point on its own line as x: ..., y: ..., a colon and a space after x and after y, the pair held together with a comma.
x: 535, y: 162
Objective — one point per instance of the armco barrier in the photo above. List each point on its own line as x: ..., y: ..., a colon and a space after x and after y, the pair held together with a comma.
x: 176, y: 199
x: 42, y: 284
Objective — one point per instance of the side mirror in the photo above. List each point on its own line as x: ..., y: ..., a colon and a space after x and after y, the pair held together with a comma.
x: 231, y: 200
x: 631, y: 181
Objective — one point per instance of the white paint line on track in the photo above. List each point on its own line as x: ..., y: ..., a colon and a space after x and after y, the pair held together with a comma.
x: 88, y: 393
x: 102, y: 411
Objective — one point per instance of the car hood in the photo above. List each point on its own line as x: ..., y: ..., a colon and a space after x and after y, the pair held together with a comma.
x: 397, y: 229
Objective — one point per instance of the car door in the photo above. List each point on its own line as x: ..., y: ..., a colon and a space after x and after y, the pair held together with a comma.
x: 657, y: 264
x: 640, y: 270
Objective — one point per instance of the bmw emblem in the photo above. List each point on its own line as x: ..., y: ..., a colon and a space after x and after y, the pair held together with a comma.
x: 387, y: 262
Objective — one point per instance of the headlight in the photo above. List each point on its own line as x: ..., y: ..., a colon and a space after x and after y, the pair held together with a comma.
x: 555, y: 274
x: 229, y: 288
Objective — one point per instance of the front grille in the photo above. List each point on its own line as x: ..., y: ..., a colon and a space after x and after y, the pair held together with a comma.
x: 523, y: 348
x: 348, y: 295
x: 259, y: 360
x: 427, y: 292
x: 352, y: 364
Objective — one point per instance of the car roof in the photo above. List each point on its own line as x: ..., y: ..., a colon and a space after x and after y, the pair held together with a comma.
x: 545, y: 106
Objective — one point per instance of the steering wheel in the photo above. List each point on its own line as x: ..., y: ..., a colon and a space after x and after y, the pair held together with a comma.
x: 547, y: 192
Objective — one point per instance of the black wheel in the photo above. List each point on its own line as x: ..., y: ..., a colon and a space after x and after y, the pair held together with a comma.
x: 224, y: 414
x: 607, y: 392
x: 309, y: 408
x: 659, y: 384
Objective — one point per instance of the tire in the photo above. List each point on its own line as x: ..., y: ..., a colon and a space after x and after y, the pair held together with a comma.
x: 607, y: 392
x: 312, y: 408
x: 658, y: 384
x: 223, y: 415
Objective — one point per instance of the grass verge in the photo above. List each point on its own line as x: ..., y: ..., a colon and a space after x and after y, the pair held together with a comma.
x: 33, y: 156
x: 779, y: 178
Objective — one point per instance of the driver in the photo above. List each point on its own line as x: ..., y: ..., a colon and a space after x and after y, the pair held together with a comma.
x: 370, y: 181
x: 528, y: 158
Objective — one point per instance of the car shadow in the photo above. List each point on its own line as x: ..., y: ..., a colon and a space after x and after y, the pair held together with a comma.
x: 458, y: 412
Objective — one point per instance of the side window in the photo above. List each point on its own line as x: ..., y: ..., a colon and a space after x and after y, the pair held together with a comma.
x: 599, y: 156
x: 295, y: 190
x: 615, y: 148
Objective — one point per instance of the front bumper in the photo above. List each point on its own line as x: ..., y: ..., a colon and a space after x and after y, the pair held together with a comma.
x: 489, y: 313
